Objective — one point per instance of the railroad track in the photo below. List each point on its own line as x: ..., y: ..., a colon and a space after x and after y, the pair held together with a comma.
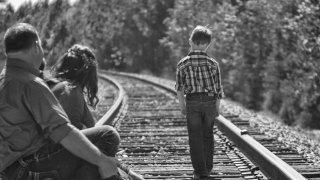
x: 155, y: 144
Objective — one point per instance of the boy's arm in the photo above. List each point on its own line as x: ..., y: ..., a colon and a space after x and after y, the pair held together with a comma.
x: 180, y: 90
x: 219, y: 89
x: 182, y: 101
x: 218, y: 83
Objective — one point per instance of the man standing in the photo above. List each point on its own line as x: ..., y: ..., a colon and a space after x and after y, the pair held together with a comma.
x: 36, y: 137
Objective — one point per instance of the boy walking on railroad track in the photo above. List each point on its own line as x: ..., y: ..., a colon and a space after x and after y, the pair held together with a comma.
x: 199, y: 90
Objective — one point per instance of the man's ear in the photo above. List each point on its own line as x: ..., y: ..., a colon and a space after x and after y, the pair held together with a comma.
x: 34, y: 48
x: 37, y: 46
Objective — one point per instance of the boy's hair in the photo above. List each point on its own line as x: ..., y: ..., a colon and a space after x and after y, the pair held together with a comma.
x: 20, y: 36
x: 201, y: 35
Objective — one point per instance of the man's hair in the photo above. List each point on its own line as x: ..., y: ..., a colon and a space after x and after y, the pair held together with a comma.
x: 20, y: 36
x: 201, y: 35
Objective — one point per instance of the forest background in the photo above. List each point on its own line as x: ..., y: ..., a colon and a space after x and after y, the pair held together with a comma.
x: 268, y: 50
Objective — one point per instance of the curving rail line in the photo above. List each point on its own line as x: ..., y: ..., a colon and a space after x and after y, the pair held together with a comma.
x: 113, y: 111
x: 109, y: 117
x: 268, y: 163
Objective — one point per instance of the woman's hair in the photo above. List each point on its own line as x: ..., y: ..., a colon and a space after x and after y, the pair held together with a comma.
x: 78, y: 66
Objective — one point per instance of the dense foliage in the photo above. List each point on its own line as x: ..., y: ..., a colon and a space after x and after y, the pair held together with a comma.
x: 268, y: 50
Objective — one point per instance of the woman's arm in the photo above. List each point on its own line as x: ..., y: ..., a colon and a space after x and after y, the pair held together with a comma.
x: 87, y: 118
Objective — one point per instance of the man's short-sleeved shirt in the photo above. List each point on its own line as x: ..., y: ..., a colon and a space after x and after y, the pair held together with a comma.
x: 30, y: 115
x: 197, y: 73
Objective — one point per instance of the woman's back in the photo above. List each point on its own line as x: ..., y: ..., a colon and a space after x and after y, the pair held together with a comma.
x: 77, y: 86
x: 72, y: 100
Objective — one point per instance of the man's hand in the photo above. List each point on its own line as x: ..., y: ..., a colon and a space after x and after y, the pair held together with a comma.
x: 2, y: 176
x: 135, y: 176
x: 108, y: 167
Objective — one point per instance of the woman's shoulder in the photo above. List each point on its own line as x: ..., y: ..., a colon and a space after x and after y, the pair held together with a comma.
x: 64, y: 88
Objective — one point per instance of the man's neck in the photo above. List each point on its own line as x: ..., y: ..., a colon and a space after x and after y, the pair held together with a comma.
x: 21, y: 56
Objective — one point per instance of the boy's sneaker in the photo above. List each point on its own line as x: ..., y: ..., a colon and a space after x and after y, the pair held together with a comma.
x: 197, y: 177
x: 208, y: 177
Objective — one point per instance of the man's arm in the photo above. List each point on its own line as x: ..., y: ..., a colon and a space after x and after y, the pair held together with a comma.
x: 53, y: 121
x: 78, y: 144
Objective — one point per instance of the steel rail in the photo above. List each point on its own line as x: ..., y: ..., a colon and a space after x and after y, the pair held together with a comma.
x: 108, y: 117
x: 271, y: 165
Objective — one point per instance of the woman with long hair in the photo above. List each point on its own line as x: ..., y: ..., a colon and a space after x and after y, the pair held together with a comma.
x: 75, y: 84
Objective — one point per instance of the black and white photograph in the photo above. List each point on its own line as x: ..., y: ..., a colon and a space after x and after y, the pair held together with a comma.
x: 159, y: 90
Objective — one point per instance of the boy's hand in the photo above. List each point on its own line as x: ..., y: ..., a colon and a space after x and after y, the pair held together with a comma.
x: 183, y: 110
x: 218, y: 107
x: 182, y: 102
x: 108, y: 167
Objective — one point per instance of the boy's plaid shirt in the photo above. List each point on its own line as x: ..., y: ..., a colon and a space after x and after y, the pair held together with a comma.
x: 198, y: 72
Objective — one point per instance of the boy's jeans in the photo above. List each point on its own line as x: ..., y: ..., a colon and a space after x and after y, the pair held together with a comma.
x: 201, y: 112
x: 54, y: 162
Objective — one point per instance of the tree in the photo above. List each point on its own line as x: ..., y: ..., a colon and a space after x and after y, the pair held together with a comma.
x: 139, y: 38
x: 268, y: 50
x: 6, y: 16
